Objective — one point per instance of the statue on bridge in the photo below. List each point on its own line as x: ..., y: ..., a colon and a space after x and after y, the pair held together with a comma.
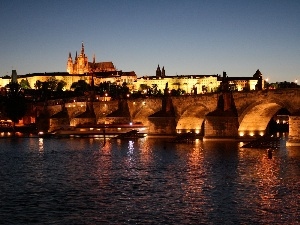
x: 166, y: 90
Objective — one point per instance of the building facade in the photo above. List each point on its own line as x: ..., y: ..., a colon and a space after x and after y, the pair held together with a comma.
x: 197, y: 84
x: 187, y: 83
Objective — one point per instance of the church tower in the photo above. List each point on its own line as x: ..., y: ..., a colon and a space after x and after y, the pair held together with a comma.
x: 158, y: 71
x: 70, y: 64
x: 82, y: 62
x: 163, y: 72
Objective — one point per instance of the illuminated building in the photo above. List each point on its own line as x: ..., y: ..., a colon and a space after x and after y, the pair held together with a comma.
x: 81, y: 65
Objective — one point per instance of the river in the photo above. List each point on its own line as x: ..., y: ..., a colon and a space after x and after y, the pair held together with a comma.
x: 146, y: 181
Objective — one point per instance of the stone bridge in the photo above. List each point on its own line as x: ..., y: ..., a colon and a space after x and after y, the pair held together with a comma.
x: 199, y: 113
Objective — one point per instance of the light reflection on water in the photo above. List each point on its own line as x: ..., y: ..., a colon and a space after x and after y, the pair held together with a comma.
x: 146, y: 181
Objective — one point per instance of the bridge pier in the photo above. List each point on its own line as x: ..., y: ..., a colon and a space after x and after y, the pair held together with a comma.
x: 223, y: 121
x: 221, y: 127
x: 294, y: 127
x: 162, y: 125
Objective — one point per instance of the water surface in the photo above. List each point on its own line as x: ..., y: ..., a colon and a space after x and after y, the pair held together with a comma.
x: 146, y: 181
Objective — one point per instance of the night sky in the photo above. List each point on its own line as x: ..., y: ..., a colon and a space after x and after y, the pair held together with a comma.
x: 186, y: 37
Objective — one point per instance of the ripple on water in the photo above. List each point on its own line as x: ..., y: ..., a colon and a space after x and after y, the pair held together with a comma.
x: 83, y: 181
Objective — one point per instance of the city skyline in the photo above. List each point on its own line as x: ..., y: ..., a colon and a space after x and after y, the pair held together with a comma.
x: 191, y: 37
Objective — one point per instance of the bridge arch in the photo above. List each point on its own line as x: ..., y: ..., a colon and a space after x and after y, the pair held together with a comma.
x: 255, y: 118
x: 191, y: 119
x: 141, y: 109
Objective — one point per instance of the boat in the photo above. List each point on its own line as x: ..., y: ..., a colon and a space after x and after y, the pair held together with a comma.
x: 133, y: 134
x: 101, y: 130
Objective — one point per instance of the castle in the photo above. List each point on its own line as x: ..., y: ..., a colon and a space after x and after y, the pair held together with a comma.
x: 81, y: 65
x: 81, y: 69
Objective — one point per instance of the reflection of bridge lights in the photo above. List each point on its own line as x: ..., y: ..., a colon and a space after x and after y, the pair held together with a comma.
x: 41, y: 144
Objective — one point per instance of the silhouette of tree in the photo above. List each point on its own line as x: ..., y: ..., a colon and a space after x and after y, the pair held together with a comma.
x: 52, y: 82
x: 80, y: 87
x: 60, y: 85
x: 38, y: 84
x: 15, y: 103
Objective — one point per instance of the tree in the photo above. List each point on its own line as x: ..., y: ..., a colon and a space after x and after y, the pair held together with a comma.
x: 80, y: 87
x: 15, y: 103
x: 52, y: 82
x: 143, y: 88
x: 38, y: 84
x: 25, y: 84
x: 124, y: 89
x: 60, y: 85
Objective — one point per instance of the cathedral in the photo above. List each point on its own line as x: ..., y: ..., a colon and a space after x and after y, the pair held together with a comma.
x: 81, y: 65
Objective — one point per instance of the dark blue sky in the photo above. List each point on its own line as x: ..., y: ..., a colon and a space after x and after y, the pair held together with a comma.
x: 187, y: 37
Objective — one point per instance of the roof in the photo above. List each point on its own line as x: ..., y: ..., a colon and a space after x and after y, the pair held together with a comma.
x: 179, y: 76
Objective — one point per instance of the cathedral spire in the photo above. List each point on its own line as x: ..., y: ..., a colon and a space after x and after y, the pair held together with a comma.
x: 94, y: 59
x: 82, y: 49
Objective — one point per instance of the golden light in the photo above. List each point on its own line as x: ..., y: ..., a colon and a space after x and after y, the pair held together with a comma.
x: 241, y: 133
